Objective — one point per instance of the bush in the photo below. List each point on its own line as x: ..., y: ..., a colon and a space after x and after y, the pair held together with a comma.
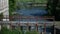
x: 28, y: 32
x: 31, y: 32
x: 4, y: 30
x: 16, y: 32
x: 34, y: 32
x: 1, y: 16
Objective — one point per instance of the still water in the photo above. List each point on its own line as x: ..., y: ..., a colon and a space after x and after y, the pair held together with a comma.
x: 34, y: 11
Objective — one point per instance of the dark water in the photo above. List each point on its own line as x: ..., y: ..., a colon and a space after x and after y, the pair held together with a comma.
x: 32, y: 12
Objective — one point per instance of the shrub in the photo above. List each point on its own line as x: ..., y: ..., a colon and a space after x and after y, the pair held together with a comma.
x: 16, y: 32
x: 31, y: 32
x: 34, y: 32
x: 28, y: 32
x: 4, y: 30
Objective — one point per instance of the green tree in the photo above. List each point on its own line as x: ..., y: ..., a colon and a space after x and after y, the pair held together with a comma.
x: 12, y: 6
x: 51, y: 6
x: 1, y: 16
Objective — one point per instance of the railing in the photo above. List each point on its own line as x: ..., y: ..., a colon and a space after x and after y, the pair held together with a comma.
x: 30, y: 18
x: 33, y: 21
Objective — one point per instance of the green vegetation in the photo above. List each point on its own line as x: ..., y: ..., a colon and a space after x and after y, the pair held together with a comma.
x: 1, y: 16
x: 36, y: 1
x: 31, y: 32
x: 4, y: 30
x: 12, y: 6
x: 15, y: 4
x: 28, y: 32
x: 34, y: 32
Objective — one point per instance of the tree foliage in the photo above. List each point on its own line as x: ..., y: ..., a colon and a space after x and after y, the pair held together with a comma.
x: 53, y: 7
x: 12, y: 6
